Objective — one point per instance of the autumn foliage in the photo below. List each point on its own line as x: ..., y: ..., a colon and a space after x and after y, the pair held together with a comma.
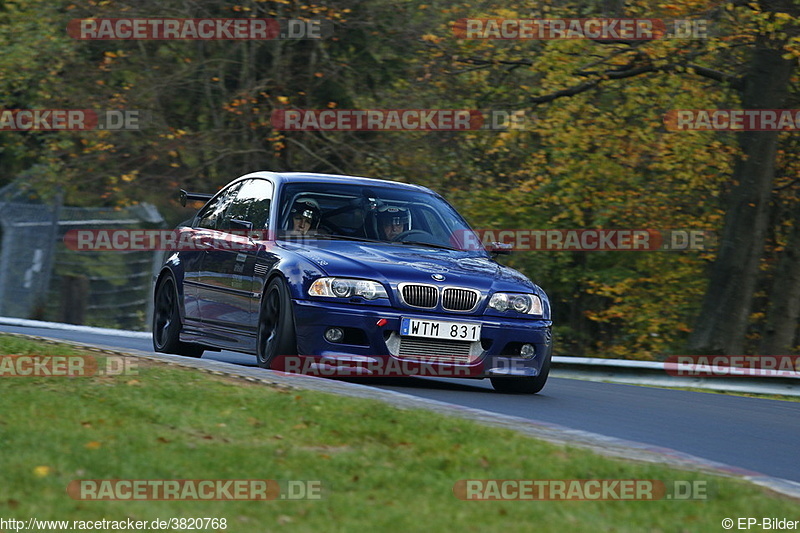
x: 594, y: 153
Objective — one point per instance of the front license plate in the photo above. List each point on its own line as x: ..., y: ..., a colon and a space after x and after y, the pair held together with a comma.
x: 438, y: 329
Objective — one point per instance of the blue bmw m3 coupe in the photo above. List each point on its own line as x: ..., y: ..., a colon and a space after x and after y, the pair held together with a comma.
x: 349, y: 273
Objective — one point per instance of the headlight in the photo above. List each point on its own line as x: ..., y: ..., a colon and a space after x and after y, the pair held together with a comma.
x: 347, y: 288
x: 528, y: 304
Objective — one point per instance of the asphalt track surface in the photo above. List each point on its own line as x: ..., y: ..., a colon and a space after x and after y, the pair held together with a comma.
x: 759, y: 436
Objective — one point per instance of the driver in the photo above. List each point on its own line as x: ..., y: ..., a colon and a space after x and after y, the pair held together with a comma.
x: 305, y: 216
x: 393, y: 221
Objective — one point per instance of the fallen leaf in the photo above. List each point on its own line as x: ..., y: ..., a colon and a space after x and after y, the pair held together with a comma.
x: 42, y: 471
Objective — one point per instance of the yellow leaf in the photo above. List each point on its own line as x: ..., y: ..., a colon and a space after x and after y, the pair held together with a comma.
x: 92, y: 445
x: 42, y: 471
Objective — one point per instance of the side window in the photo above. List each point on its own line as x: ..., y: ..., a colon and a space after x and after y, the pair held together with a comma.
x: 211, y: 217
x: 252, y: 203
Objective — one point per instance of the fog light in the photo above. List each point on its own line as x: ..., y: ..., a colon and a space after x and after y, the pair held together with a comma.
x: 527, y: 351
x: 334, y: 334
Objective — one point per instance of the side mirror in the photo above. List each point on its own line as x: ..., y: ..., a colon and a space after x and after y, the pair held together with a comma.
x: 185, y: 196
x: 496, y: 249
x: 240, y: 225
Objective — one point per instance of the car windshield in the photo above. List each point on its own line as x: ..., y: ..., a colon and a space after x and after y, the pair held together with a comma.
x: 373, y: 213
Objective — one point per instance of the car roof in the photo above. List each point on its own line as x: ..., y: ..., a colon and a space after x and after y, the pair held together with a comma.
x: 310, y: 177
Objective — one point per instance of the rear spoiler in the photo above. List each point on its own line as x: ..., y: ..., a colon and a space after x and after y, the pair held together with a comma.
x: 194, y: 196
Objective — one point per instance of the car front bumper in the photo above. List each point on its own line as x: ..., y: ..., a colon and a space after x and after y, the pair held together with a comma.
x: 377, y: 351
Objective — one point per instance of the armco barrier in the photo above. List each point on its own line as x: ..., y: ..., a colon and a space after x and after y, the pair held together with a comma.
x: 656, y: 374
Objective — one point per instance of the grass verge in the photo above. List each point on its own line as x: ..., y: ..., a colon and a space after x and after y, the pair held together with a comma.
x: 381, y: 468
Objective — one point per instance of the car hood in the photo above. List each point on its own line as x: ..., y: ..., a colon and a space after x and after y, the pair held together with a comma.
x: 395, y: 263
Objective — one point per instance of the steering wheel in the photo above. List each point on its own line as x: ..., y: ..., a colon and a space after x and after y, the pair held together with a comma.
x: 400, y: 236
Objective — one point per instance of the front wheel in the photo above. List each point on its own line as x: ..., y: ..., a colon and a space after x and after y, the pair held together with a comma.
x: 523, y: 385
x: 276, y: 333
x: 167, y: 322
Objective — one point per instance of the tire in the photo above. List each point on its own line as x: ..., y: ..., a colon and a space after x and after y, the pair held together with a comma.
x: 523, y: 385
x: 167, y: 322
x: 276, y: 333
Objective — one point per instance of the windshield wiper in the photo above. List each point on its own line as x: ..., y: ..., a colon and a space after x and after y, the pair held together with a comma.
x: 419, y: 243
x: 345, y: 238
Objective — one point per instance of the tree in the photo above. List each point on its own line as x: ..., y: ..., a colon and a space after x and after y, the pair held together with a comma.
x: 751, y: 58
x: 724, y: 315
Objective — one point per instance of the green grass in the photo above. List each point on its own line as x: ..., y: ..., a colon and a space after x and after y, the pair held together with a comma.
x: 382, y: 469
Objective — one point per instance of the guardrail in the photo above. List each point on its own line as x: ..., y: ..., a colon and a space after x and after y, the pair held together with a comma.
x: 661, y: 374
x: 652, y: 373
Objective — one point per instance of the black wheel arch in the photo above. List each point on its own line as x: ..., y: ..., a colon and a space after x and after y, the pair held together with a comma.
x: 166, y: 271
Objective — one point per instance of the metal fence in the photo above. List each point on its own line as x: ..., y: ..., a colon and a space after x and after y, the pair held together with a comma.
x: 40, y: 278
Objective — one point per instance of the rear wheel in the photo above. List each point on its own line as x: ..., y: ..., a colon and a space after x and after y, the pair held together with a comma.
x: 526, y: 385
x: 276, y: 333
x: 167, y: 322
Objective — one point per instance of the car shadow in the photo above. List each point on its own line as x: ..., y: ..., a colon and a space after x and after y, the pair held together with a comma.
x: 418, y: 383
x: 410, y: 382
